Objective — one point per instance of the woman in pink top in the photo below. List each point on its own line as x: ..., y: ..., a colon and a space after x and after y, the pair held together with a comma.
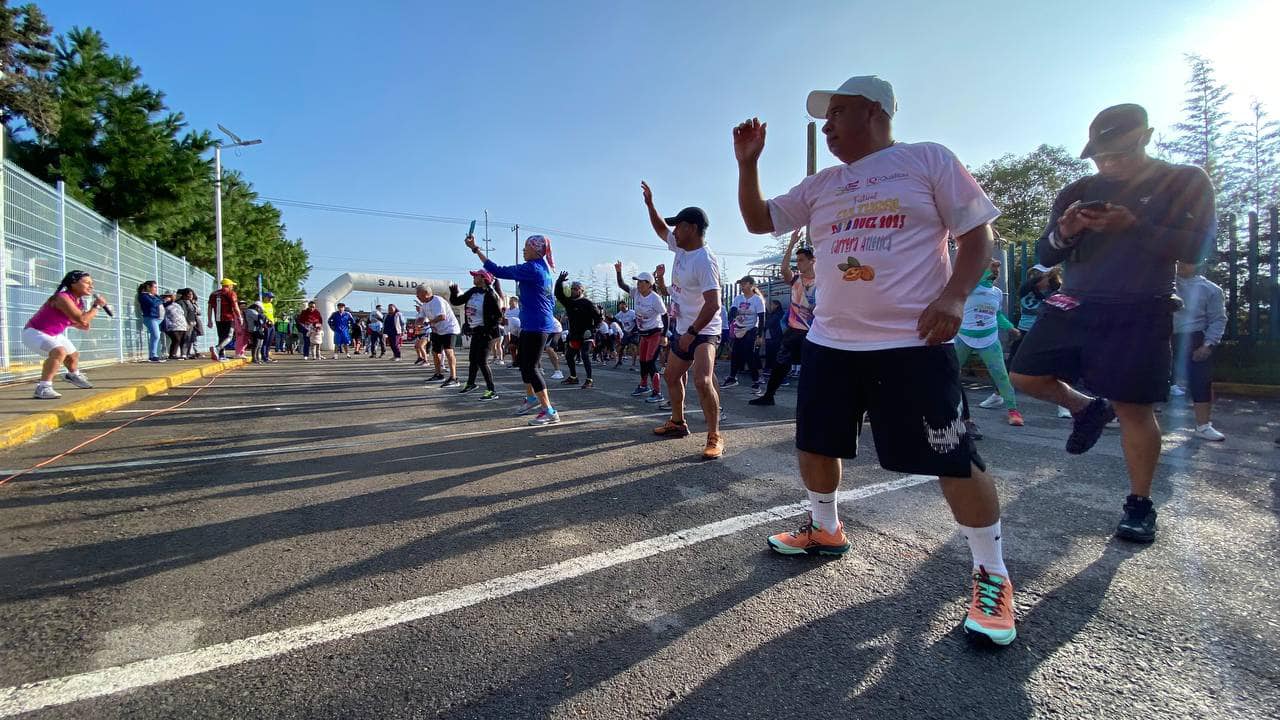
x: 46, y: 331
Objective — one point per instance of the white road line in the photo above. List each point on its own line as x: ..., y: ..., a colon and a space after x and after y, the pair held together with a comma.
x: 320, y: 447
x: 144, y: 673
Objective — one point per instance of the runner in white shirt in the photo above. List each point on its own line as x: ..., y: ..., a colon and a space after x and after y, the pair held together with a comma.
x: 558, y: 334
x: 695, y: 307
x: 513, y: 326
x: 438, y: 313
x: 747, y: 330
x: 651, y: 322
x: 889, y: 306
x: 627, y: 318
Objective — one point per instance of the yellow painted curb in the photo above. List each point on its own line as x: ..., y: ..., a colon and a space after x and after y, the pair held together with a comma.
x: 1247, y: 389
x: 19, y: 431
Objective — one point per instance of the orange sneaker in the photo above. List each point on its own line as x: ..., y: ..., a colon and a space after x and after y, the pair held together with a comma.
x: 714, y: 448
x: 810, y: 539
x: 1015, y: 418
x: 991, y: 611
x: 672, y: 429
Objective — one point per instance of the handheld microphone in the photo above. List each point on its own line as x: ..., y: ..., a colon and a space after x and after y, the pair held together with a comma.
x: 107, y: 309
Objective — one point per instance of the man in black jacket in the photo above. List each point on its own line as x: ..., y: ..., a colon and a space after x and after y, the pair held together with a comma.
x: 584, y: 318
x: 1118, y: 235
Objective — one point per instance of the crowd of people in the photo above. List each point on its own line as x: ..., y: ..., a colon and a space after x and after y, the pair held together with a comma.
x: 894, y: 293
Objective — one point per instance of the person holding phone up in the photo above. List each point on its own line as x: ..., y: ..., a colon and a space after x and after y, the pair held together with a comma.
x: 1118, y: 234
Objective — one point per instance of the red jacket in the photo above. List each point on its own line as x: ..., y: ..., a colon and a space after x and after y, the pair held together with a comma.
x: 310, y: 316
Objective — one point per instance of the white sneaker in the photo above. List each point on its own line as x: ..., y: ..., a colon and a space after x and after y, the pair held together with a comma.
x: 527, y: 407
x: 1063, y: 412
x: 78, y: 379
x: 994, y: 401
x: 46, y: 392
x: 557, y: 375
x: 1177, y: 391
x: 1208, y: 432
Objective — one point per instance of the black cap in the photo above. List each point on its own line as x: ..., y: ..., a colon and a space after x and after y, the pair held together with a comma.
x: 690, y: 215
x: 1110, y: 129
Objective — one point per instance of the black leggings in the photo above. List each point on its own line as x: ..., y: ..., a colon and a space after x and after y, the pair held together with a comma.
x: 530, y: 349
x: 744, y: 353
x: 479, y: 360
x: 571, y: 354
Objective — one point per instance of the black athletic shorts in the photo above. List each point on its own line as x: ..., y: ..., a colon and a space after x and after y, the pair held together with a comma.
x: 1120, y: 352
x: 439, y: 343
x: 912, y: 395
x: 712, y: 340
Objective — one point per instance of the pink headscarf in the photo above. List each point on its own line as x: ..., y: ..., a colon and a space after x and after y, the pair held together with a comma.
x: 541, y: 244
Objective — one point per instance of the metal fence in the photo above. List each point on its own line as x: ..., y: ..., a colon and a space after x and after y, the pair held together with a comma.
x: 1245, y: 262
x: 46, y: 234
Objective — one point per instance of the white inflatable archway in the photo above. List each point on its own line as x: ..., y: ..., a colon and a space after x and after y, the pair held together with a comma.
x: 330, y: 295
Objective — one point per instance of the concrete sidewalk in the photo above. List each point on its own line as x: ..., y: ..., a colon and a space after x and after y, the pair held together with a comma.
x: 22, y: 417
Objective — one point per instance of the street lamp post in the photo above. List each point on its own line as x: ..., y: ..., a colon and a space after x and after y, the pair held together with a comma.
x: 217, y: 189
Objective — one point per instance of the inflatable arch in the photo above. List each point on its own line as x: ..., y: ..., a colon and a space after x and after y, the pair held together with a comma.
x: 330, y: 295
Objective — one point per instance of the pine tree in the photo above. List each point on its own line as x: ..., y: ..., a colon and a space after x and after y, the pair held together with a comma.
x: 27, y: 96
x: 1256, y: 155
x: 1203, y: 136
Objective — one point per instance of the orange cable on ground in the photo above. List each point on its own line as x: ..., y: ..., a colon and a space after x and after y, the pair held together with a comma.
x: 98, y: 437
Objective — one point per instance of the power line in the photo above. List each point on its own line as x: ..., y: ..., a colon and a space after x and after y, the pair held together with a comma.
x: 420, y: 217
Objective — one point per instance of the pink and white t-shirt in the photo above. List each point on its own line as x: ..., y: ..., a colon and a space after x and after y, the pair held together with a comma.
x: 749, y: 310
x: 693, y: 273
x: 879, y: 228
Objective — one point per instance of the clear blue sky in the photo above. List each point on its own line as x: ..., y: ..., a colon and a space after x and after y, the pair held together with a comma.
x: 550, y: 114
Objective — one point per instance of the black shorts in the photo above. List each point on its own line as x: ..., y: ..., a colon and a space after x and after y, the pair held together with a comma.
x: 1120, y: 352
x: 712, y: 340
x: 440, y: 343
x: 912, y: 394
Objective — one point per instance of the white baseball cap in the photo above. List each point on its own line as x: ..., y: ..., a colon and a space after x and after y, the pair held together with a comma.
x: 644, y: 277
x: 870, y: 87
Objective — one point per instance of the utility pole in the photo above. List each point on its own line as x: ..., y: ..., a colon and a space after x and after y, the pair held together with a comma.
x: 487, y: 249
x: 217, y: 190
x: 516, y: 229
x: 811, y: 166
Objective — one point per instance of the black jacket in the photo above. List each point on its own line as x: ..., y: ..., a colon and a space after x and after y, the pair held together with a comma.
x: 584, y: 316
x: 492, y: 316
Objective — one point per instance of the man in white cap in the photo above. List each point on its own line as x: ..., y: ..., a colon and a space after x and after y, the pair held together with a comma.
x: 890, y: 306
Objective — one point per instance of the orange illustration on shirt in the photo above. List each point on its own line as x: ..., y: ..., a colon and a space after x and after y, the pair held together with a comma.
x: 854, y: 270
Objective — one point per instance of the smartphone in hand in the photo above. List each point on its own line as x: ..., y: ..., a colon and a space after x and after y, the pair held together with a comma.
x: 1094, y: 205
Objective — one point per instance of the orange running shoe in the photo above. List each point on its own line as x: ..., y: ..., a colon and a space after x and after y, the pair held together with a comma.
x: 991, y: 611
x: 810, y: 539
x: 714, y: 448
x: 1015, y: 418
x: 672, y: 429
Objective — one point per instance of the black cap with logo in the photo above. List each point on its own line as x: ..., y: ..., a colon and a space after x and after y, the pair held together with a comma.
x: 1110, y: 130
x: 690, y: 215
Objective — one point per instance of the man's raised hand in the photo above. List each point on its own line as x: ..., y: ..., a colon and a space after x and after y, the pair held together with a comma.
x: 648, y: 194
x: 748, y: 140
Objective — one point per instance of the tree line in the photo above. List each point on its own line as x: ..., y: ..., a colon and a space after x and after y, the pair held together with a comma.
x: 72, y: 110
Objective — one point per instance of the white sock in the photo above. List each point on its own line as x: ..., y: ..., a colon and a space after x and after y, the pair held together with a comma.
x: 44, y: 383
x: 987, y: 547
x: 823, y: 507
x: 1204, y: 426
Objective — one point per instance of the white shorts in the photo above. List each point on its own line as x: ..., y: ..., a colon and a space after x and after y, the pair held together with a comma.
x: 42, y: 343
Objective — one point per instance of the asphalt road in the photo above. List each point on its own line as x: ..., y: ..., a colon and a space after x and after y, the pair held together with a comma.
x: 337, y: 540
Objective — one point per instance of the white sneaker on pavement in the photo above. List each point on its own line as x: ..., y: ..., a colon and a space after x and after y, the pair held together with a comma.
x: 78, y: 379
x: 557, y: 375
x: 1063, y: 412
x: 994, y: 401
x: 1177, y: 391
x: 1208, y: 432
x: 46, y: 392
